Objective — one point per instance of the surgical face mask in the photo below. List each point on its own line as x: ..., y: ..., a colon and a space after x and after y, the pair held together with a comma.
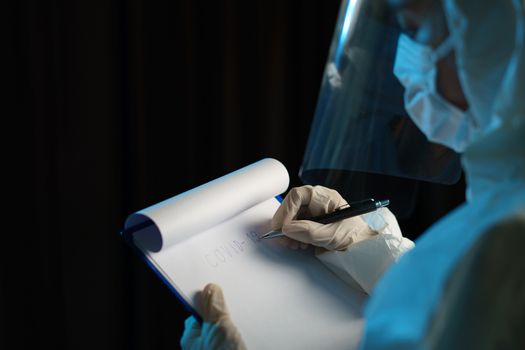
x: 439, y: 120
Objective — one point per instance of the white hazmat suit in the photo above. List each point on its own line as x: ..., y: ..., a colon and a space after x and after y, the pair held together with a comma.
x: 469, y: 264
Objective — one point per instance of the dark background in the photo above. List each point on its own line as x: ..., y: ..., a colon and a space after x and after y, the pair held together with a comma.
x: 112, y: 106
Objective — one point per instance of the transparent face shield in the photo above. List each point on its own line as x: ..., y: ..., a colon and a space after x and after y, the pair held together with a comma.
x: 362, y: 142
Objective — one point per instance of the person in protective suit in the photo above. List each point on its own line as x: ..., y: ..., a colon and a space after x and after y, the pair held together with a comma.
x: 462, y: 66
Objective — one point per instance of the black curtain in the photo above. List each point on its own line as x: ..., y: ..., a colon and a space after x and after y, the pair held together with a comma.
x: 112, y: 106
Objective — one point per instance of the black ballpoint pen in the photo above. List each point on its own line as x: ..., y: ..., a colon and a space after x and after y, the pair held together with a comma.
x: 353, y: 209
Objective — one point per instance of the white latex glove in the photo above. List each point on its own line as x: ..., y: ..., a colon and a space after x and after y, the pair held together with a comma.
x: 217, y: 330
x: 358, y: 249
x: 307, y: 201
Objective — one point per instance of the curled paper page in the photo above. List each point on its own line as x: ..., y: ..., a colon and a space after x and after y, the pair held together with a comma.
x: 196, y: 210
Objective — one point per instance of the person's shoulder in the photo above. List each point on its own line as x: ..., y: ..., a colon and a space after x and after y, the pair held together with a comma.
x: 483, y: 301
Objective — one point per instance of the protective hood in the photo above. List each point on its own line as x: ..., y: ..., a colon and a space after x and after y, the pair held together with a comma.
x: 491, y: 69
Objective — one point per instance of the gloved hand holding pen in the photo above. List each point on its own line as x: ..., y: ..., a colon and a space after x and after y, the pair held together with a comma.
x: 376, y: 232
x: 308, y: 201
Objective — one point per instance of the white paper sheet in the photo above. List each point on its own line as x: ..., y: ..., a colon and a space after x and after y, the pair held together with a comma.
x: 278, y: 298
